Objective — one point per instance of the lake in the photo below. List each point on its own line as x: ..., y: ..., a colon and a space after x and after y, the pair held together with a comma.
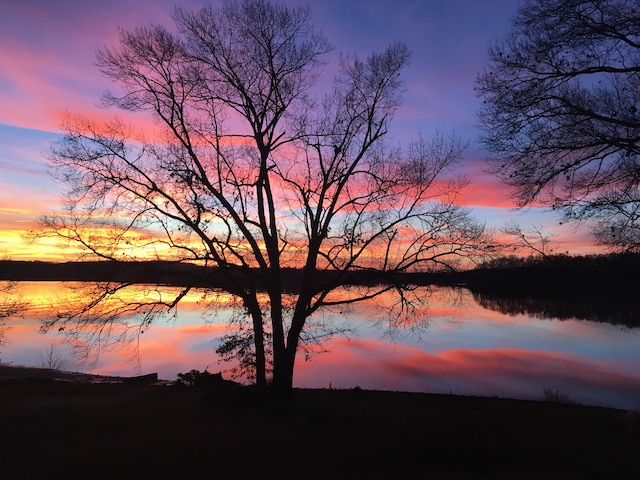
x: 462, y: 348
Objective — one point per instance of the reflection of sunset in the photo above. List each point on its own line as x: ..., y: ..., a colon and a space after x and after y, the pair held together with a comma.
x: 42, y: 296
x: 460, y: 348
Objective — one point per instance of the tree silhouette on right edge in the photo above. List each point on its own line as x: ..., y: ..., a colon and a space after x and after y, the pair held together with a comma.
x: 561, y: 113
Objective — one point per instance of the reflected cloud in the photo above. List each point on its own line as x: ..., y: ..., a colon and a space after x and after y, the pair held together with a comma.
x: 517, y: 373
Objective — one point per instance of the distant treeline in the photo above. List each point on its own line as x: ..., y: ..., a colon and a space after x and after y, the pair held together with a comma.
x: 602, y: 288
x: 554, y: 277
x: 559, y: 277
x: 181, y: 274
x: 598, y: 287
x: 101, y: 271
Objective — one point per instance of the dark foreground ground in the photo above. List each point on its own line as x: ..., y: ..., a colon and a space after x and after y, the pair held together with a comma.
x: 57, y: 426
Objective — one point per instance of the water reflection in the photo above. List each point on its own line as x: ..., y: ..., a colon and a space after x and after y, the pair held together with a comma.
x: 624, y: 313
x: 10, y: 306
x: 464, y: 348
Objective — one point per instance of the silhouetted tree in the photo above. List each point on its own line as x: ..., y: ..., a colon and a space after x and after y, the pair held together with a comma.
x: 561, y: 112
x: 251, y: 173
x: 532, y: 240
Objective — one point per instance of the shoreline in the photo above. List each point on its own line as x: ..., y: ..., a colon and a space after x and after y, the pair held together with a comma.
x: 21, y: 372
x: 68, y: 428
x: 26, y: 373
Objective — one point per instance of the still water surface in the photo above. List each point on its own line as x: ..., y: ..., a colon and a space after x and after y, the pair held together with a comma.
x: 463, y: 348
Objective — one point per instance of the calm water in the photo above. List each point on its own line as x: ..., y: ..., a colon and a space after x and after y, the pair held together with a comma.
x: 463, y: 348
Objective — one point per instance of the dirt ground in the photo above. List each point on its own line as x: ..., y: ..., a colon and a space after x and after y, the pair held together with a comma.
x: 61, y: 425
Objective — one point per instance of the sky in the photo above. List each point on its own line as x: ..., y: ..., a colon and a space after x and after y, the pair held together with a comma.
x: 47, y: 54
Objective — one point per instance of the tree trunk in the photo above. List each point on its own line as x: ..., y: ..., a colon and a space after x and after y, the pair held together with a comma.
x: 282, y: 383
x: 258, y: 342
x: 284, y: 363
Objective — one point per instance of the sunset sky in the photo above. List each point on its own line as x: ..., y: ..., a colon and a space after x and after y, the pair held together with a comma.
x: 47, y: 52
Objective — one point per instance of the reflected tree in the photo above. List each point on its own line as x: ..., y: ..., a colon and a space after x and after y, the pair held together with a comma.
x: 101, y: 316
x: 590, y: 308
x: 257, y: 171
x: 10, y: 305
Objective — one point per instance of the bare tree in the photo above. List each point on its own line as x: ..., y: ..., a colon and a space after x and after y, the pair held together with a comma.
x: 533, y: 240
x: 561, y: 112
x: 51, y: 359
x: 254, y: 175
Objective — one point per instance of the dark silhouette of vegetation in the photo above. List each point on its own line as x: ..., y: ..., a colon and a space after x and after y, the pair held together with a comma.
x: 560, y: 275
x: 601, y: 288
x: 220, y: 392
x: 191, y: 275
x: 193, y: 378
x: 561, y: 113
x: 556, y: 396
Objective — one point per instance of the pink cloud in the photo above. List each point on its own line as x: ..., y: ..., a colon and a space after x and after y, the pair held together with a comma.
x: 51, y: 47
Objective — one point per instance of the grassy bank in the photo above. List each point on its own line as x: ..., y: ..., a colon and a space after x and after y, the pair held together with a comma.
x: 67, y: 427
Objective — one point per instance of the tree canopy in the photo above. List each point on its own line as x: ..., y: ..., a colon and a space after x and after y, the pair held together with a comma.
x: 254, y: 169
x: 561, y: 113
